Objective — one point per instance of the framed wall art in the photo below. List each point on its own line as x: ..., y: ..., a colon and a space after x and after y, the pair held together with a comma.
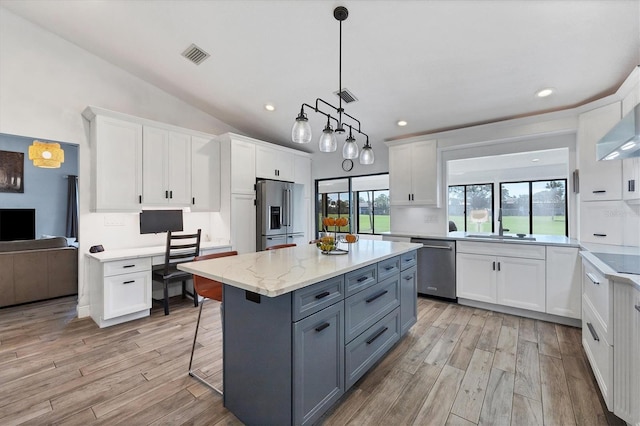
x: 11, y: 171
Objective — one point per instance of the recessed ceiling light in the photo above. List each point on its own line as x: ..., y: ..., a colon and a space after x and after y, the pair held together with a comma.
x: 535, y: 160
x: 401, y: 123
x: 269, y: 107
x: 544, y: 92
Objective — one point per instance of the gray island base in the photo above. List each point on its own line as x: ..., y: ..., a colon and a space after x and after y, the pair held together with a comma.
x: 288, y: 358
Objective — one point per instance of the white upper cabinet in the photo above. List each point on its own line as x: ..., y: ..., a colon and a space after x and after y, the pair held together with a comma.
x: 138, y: 162
x: 116, y: 163
x: 631, y: 180
x: 205, y: 174
x: 599, y: 180
x: 413, y: 174
x: 273, y: 163
x: 243, y: 171
x: 302, y: 173
x: 166, y: 167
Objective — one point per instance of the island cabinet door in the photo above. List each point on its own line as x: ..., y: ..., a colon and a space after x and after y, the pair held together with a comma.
x: 318, y: 363
x: 408, y: 299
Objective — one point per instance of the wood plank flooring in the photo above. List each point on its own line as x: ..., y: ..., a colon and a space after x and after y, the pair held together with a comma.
x: 457, y: 366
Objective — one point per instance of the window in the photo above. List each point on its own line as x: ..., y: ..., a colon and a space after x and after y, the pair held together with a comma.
x: 471, y: 207
x: 373, y: 212
x: 535, y: 207
x: 364, y: 200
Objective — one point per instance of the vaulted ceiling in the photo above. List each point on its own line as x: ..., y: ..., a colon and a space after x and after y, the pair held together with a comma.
x: 436, y: 64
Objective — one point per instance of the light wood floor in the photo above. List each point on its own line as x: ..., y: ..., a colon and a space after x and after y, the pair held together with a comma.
x: 457, y: 366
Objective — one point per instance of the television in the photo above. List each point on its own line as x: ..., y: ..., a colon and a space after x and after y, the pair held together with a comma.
x: 155, y: 221
x: 17, y: 224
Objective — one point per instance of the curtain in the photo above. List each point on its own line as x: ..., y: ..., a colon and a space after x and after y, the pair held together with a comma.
x: 72, y: 207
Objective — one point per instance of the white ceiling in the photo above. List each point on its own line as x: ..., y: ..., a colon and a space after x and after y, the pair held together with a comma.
x: 436, y: 64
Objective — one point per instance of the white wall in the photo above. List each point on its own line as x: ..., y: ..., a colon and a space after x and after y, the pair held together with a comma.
x: 45, y: 84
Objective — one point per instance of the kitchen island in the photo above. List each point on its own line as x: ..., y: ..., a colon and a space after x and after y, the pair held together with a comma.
x: 301, y: 327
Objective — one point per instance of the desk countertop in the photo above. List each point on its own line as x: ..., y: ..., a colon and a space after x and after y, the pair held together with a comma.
x: 137, y: 252
x: 275, y: 272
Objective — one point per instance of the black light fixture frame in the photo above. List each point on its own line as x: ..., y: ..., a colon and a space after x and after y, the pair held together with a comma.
x: 340, y: 13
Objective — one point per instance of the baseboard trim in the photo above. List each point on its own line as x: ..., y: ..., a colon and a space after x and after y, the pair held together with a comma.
x: 83, y: 311
x: 573, y: 322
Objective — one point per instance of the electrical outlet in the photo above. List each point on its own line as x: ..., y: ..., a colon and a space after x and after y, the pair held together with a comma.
x: 113, y: 220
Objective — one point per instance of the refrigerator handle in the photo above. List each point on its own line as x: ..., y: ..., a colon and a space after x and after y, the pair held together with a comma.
x: 290, y: 207
x: 285, y: 207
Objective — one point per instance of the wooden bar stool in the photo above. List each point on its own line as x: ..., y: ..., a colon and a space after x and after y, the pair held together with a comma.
x: 208, y: 289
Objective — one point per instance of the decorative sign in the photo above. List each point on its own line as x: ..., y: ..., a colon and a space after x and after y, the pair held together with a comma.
x: 11, y: 171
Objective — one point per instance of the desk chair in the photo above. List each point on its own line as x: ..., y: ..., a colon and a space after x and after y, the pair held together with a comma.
x: 180, y: 248
x: 279, y: 246
x: 208, y: 289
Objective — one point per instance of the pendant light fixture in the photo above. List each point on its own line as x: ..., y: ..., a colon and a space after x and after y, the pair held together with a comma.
x: 301, y: 131
x: 46, y: 155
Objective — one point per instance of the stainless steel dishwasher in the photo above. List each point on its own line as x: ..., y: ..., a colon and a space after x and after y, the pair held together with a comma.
x: 437, y: 267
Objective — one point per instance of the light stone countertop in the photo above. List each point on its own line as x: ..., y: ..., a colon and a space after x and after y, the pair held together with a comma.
x: 610, y: 273
x: 110, y: 255
x: 545, y: 240
x: 275, y: 272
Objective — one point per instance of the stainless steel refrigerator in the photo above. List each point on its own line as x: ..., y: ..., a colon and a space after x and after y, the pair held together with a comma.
x: 280, y: 214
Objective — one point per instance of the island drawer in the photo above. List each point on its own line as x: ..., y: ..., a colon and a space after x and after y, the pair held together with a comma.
x: 598, y: 294
x: 360, y: 279
x: 365, y: 308
x: 309, y: 300
x: 407, y: 260
x: 370, y: 346
x: 127, y: 266
x: 388, y: 268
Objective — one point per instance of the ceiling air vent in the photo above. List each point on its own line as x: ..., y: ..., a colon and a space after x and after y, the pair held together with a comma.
x: 195, y: 54
x: 346, y: 96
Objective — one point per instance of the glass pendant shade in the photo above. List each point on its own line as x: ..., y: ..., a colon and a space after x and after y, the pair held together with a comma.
x: 350, y: 149
x: 366, y: 156
x: 301, y: 131
x: 327, y: 142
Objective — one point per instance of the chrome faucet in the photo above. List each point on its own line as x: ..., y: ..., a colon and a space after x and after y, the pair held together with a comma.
x: 500, y: 229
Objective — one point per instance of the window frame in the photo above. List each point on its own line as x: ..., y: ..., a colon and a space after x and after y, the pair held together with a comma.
x: 357, y: 211
x: 531, y: 182
x: 464, y: 216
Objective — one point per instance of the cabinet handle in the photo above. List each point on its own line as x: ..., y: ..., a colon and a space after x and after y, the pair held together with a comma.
x: 593, y: 332
x: 494, y: 266
x: 637, y: 308
x: 413, y: 197
x: 599, y: 235
x: 408, y: 277
x: 193, y: 200
x: 129, y: 282
x: 128, y: 266
x: 372, y: 298
x: 409, y: 196
x: 166, y: 194
x: 388, y: 268
x: 592, y: 278
x: 601, y: 191
x: 170, y: 194
x: 498, y: 266
x: 361, y: 279
x: 323, y: 326
x: 140, y: 199
x: 322, y: 295
x: 378, y: 334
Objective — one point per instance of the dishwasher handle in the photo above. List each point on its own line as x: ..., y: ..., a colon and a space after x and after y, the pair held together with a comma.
x: 437, y: 247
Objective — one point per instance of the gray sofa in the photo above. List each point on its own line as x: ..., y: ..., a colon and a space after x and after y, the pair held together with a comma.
x: 33, y: 270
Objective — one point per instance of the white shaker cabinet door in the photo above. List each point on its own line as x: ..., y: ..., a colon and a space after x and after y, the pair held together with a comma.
x: 564, y: 282
x: 520, y: 283
x: 476, y: 277
x: 117, y: 164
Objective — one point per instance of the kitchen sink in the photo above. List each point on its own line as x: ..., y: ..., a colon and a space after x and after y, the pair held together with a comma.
x: 501, y: 237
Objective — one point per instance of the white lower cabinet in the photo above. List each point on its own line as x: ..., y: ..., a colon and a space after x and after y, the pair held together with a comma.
x: 599, y: 352
x: 511, y: 281
x: 120, y: 290
x: 626, y: 355
x: 564, y: 284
